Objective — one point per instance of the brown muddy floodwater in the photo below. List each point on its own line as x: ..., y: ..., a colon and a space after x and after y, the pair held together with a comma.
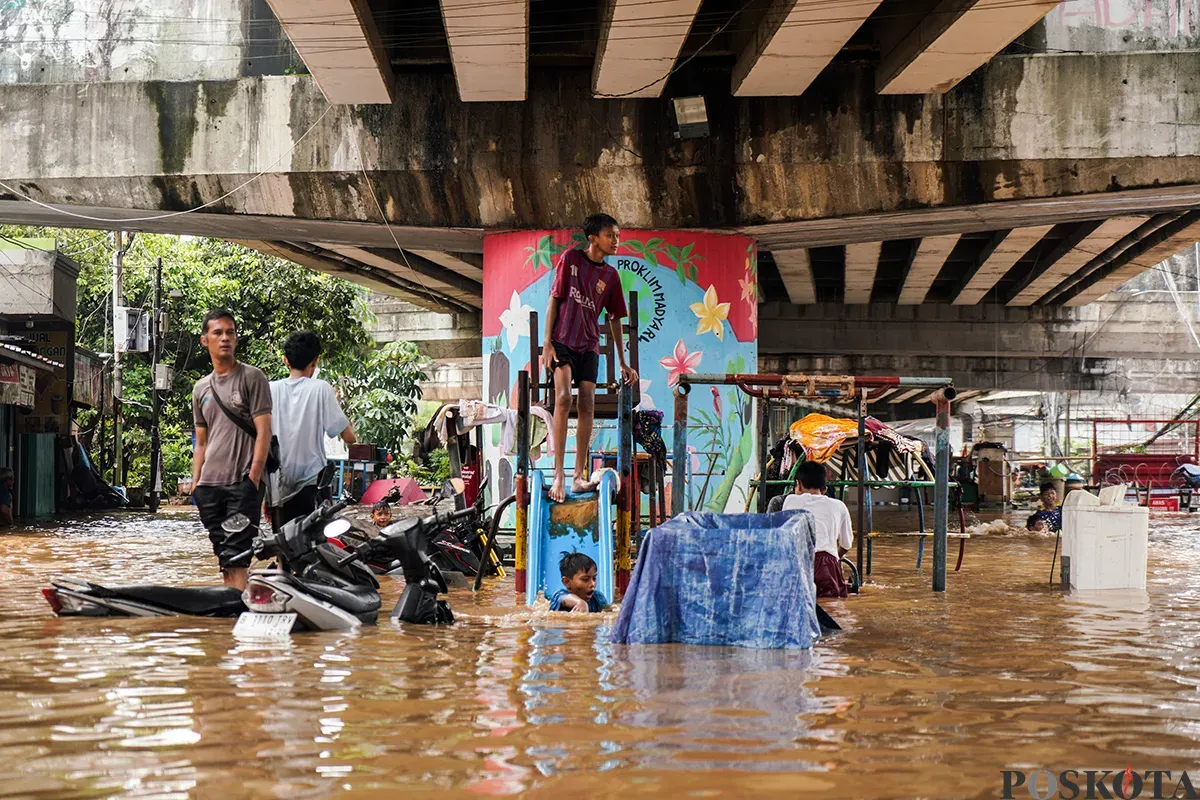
x: 921, y: 696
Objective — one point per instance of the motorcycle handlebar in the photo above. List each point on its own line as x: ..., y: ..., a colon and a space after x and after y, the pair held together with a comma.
x: 333, y: 510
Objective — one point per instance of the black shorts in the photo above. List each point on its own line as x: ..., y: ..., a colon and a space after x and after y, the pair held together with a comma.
x: 217, y: 504
x: 584, y: 366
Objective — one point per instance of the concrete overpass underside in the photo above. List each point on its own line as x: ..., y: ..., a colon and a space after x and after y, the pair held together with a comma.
x: 924, y: 154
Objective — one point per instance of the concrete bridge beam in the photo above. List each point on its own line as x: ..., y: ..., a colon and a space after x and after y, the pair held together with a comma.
x: 952, y: 40
x: 340, y: 46
x: 793, y: 43
x: 1088, y: 243
x: 928, y: 261
x: 990, y: 373
x: 1109, y: 330
x: 1007, y: 248
x: 489, y: 48
x: 625, y: 65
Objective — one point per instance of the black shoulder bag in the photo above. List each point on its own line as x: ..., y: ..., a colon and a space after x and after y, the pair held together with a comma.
x: 273, y: 461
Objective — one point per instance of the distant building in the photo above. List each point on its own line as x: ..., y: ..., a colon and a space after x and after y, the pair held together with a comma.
x: 37, y: 370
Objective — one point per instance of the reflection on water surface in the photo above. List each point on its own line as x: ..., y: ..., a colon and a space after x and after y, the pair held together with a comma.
x: 921, y: 696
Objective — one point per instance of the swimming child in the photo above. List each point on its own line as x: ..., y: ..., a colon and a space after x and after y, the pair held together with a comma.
x: 381, y: 514
x: 1049, y: 518
x: 579, y: 585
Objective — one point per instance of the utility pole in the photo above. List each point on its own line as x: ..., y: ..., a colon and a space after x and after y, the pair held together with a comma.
x: 155, y: 438
x: 118, y: 304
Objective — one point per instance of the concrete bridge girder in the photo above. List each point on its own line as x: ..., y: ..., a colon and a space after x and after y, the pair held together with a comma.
x: 1135, y: 376
x: 1106, y: 330
x: 796, y: 173
x: 769, y: 162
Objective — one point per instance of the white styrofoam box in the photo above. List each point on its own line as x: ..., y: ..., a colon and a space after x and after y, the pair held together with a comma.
x: 1106, y: 545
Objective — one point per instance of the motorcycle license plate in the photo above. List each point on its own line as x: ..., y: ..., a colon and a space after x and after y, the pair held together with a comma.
x: 251, y: 625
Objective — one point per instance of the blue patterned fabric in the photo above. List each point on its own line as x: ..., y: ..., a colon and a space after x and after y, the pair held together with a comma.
x: 744, y: 580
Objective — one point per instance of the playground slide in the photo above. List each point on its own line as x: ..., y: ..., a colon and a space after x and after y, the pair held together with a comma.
x: 584, y: 523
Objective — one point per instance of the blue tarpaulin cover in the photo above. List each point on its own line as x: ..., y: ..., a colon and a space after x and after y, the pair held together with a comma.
x: 744, y: 580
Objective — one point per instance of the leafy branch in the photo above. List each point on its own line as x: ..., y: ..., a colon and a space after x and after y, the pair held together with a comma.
x: 656, y: 252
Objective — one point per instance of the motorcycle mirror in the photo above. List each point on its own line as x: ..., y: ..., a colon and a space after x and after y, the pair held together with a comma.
x: 453, y: 487
x: 236, y: 523
x: 337, y: 527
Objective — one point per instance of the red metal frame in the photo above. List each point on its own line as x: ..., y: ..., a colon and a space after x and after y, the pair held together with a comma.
x: 1142, y: 468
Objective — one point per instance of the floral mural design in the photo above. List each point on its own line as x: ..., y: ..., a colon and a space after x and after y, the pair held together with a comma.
x: 711, y: 313
x: 680, y: 362
x: 515, y: 320
x: 647, y: 403
x: 656, y: 251
x: 749, y: 289
x: 680, y: 279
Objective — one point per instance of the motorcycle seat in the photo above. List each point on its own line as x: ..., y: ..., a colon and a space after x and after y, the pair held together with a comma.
x: 197, y: 601
x: 358, y: 601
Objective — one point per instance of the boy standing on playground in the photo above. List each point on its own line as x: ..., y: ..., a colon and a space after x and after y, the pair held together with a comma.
x: 584, y: 285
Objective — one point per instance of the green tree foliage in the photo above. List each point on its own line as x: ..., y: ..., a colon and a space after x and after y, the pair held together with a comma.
x: 380, y: 393
x: 269, y: 297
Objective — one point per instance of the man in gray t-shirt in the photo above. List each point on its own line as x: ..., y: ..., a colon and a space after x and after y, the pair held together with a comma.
x: 304, y: 411
x: 228, y: 463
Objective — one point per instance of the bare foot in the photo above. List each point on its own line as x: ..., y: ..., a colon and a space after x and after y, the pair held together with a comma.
x: 556, y: 488
x: 579, y: 486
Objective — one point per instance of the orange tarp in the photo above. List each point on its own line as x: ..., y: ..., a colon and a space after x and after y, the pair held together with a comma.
x: 821, y: 436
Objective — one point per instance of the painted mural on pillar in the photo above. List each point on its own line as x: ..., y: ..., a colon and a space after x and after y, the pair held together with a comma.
x: 697, y: 312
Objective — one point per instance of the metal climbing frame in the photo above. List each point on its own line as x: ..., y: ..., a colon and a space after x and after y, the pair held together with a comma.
x: 769, y: 387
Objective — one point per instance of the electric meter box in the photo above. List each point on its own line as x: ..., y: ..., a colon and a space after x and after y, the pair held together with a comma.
x: 164, y: 377
x: 131, y: 330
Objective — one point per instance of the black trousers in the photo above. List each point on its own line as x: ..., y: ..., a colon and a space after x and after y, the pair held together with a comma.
x: 298, y: 505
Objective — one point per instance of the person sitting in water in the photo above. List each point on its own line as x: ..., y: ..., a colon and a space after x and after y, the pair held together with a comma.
x: 831, y: 519
x: 381, y: 514
x: 1049, y: 517
x: 579, y: 585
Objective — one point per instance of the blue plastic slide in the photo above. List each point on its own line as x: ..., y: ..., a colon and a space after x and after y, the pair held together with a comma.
x: 583, y: 523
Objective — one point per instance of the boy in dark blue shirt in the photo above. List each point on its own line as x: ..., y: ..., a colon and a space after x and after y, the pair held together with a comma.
x: 579, y: 593
x: 1049, y: 518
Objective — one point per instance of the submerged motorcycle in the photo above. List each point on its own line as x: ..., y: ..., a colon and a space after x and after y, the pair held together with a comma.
x: 315, y: 587
x: 455, y: 546
x: 71, y: 597
x: 326, y: 588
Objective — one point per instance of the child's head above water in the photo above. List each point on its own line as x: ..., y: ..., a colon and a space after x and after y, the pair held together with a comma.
x: 381, y: 513
x: 1049, y: 495
x: 578, y: 574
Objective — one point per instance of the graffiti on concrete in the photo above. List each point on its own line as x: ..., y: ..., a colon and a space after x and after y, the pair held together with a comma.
x: 1165, y: 17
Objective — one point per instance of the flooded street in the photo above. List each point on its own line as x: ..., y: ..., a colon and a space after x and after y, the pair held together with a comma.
x: 920, y: 696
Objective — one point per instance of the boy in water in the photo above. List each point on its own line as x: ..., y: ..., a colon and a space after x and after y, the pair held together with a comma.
x: 1049, y: 518
x: 584, y: 285
x: 579, y: 586
x: 381, y: 514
